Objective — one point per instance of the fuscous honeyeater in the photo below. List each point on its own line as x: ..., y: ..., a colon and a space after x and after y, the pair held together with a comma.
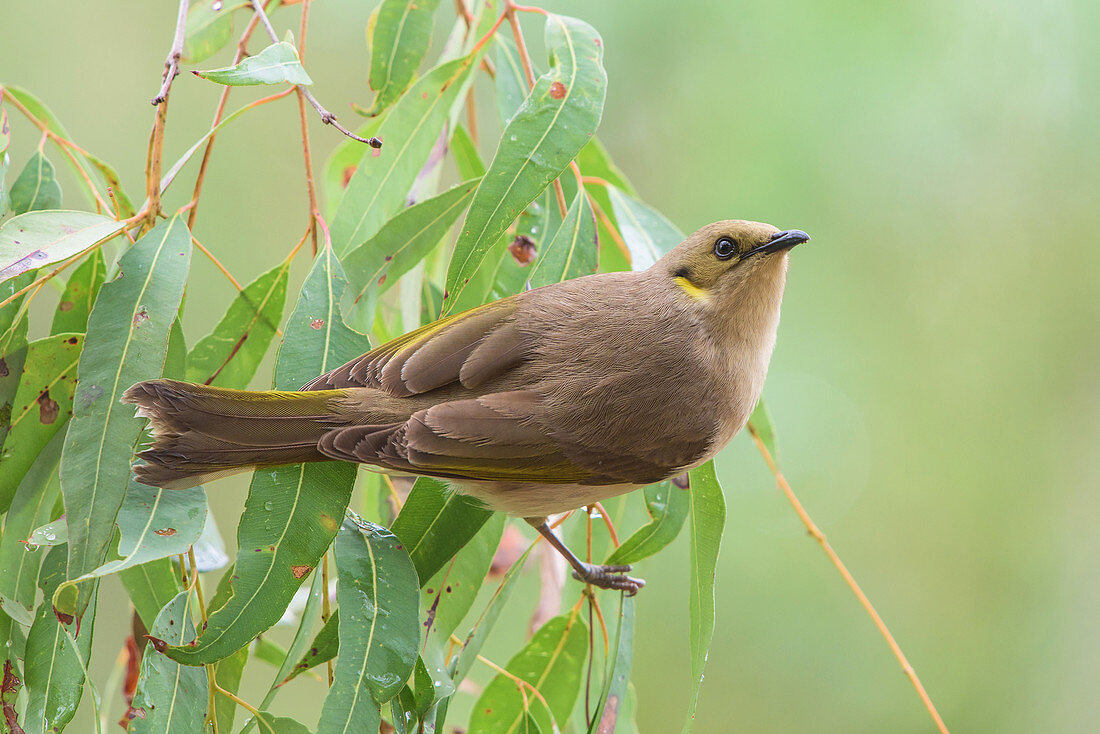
x: 536, y: 404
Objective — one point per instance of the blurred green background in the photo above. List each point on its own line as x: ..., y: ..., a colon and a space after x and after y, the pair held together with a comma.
x: 935, y: 385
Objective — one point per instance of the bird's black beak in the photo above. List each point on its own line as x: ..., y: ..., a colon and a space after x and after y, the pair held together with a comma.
x: 780, y: 241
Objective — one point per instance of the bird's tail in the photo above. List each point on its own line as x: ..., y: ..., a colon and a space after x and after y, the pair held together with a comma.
x: 201, y: 432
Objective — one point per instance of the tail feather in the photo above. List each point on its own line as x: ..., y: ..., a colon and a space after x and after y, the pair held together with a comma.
x: 202, y: 432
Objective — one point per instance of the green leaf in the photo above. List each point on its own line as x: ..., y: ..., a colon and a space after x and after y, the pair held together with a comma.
x: 34, y: 501
x: 553, y: 663
x: 41, y: 407
x: 572, y: 252
x: 227, y: 674
x: 594, y: 160
x: 36, y: 239
x: 292, y: 512
x: 395, y: 249
x: 276, y: 64
x: 761, y: 420
x: 467, y: 159
x: 54, y: 669
x: 324, y: 648
x: 378, y: 188
x: 668, y: 507
x: 271, y: 724
x: 708, y: 519
x: 510, y: 80
x: 401, y: 35
x: 170, y: 697
x: 76, y: 302
x: 208, y: 30
x: 230, y: 354
x: 618, y: 674
x: 452, y: 591
x: 36, y: 187
x: 126, y: 342
x: 435, y: 523
x: 648, y: 235
x: 150, y: 586
x: 555, y: 121
x: 378, y: 594
x: 343, y: 162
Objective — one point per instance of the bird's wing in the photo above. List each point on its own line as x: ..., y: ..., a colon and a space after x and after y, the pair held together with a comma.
x: 491, y: 437
x: 471, y: 347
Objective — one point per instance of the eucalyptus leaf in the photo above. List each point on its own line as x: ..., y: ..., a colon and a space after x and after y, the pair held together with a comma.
x: 169, y: 697
x: 572, y: 252
x: 400, y: 36
x: 36, y: 239
x: 208, y: 30
x: 668, y: 507
x: 75, y: 303
x: 277, y: 63
x: 435, y: 523
x: 126, y: 342
x: 36, y: 187
x: 647, y: 233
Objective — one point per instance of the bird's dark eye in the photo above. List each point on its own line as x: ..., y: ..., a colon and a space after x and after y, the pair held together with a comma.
x: 724, y: 248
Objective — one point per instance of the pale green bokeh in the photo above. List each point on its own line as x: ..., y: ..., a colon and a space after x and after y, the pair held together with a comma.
x: 935, y: 383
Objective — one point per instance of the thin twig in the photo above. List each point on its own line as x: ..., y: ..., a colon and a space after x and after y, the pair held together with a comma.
x: 172, y: 63
x: 819, y: 536
x: 607, y: 521
x: 218, y: 264
x: 326, y: 117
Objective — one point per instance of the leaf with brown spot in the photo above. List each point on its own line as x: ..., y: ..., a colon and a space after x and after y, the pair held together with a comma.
x: 300, y: 571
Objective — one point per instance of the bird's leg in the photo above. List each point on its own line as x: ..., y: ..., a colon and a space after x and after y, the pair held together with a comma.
x: 605, y: 577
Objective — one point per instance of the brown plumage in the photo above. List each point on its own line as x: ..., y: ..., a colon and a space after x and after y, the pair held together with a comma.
x: 539, y: 403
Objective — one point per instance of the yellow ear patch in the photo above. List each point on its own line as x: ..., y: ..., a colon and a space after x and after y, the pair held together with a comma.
x: 694, y: 291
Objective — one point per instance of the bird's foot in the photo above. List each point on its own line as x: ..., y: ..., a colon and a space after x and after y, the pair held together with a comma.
x: 609, y: 577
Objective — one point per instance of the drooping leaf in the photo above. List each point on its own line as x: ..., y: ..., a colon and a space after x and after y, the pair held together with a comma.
x: 595, y: 161
x: 668, y: 507
x: 510, y: 81
x: 343, y: 162
x: 324, y: 648
x: 271, y: 724
x: 36, y: 187
x: 41, y: 407
x: 708, y: 519
x: 648, y: 235
x: 400, y: 37
x: 230, y: 354
x: 208, y: 30
x: 14, y: 325
x: 36, y: 239
x: 228, y: 673
x: 552, y: 125
x: 54, y: 672
x: 276, y: 64
x: 618, y: 671
x: 761, y: 421
x: 80, y: 292
x: 170, y: 697
x: 572, y: 252
x: 553, y: 663
x: 34, y: 501
x: 292, y: 512
x: 377, y: 189
x: 126, y: 342
x: 435, y: 523
x: 378, y: 593
x: 450, y: 593
x: 467, y: 159
x: 402, y: 242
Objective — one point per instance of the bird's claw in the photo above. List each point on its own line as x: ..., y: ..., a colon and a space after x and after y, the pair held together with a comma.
x: 609, y: 577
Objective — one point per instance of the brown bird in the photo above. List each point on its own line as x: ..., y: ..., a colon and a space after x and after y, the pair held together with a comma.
x: 536, y: 404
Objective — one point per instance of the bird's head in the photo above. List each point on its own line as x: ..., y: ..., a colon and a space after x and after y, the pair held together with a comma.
x: 731, y: 262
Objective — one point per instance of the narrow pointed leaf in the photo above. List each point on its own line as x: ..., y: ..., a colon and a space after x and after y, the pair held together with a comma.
x: 277, y: 63
x: 150, y: 586
x: 378, y: 594
x: 618, y: 673
x: 54, y: 674
x: 80, y: 292
x: 402, y: 242
x: 761, y: 420
x: 450, y: 593
x: 271, y: 724
x: 170, y: 697
x: 41, y: 408
x: 36, y: 239
x: 510, y: 81
x: 467, y: 159
x: 292, y: 512
x: 572, y: 252
x: 126, y: 342
x: 343, y: 162
x: 401, y: 35
x: 435, y: 523
x: 708, y: 519
x: 378, y: 188
x: 553, y: 663
x: 555, y: 121
x: 36, y: 187
x: 231, y: 353
x: 648, y: 235
x: 668, y: 507
x: 324, y: 647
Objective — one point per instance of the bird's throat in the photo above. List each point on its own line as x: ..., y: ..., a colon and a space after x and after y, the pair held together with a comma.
x: 693, y: 291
